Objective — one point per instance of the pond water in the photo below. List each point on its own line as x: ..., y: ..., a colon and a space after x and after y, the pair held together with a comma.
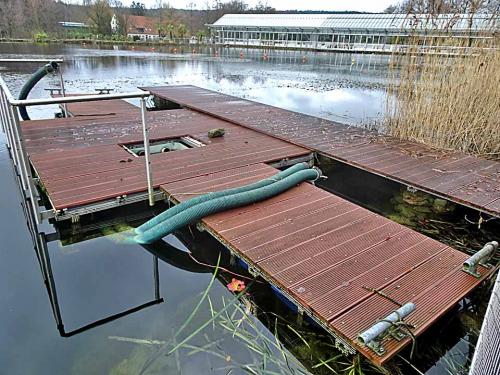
x: 341, y: 87
x: 97, y: 277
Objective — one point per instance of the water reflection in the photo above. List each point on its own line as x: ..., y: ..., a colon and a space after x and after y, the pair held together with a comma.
x: 42, y: 249
x: 341, y: 87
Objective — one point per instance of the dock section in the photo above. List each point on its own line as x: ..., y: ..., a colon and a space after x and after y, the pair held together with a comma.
x: 343, y: 265
x: 82, y: 160
x: 466, y: 180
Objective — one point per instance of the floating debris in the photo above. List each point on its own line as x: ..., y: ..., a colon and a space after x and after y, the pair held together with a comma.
x: 412, y: 207
x: 137, y: 341
x: 216, y: 133
x: 236, y: 285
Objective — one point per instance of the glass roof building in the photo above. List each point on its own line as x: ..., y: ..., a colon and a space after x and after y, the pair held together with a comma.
x: 352, y: 32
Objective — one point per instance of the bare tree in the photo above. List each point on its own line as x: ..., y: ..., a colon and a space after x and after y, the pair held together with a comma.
x: 100, y: 15
x: 11, y: 18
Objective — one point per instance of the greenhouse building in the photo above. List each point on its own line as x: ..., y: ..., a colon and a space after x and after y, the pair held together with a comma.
x: 354, y: 32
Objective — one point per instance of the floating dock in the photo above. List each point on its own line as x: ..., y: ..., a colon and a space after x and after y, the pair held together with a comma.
x: 84, y: 167
x: 460, y: 178
x: 343, y: 266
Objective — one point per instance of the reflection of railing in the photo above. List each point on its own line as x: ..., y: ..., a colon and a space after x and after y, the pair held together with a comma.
x: 11, y: 127
x: 46, y: 268
x: 40, y: 241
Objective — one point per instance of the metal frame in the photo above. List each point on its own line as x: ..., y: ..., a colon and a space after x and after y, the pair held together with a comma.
x: 40, y: 240
x: 9, y: 119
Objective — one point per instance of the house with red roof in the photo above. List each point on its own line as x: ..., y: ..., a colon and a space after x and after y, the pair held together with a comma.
x: 138, y: 27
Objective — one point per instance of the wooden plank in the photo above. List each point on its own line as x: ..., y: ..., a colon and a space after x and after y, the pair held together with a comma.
x: 406, y: 162
x: 81, y: 160
x: 323, y: 251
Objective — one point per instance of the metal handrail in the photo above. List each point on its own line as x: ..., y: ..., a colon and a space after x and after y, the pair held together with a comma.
x: 6, y: 90
x: 80, y: 98
x: 31, y: 60
x: 11, y: 127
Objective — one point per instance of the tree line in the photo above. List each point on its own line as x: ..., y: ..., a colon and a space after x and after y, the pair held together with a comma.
x: 25, y: 18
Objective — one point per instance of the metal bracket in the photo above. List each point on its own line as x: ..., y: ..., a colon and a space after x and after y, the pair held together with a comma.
x: 47, y: 214
x: 377, y: 347
x: 388, y: 326
x: 411, y: 189
x: 253, y: 271
x: 482, y: 257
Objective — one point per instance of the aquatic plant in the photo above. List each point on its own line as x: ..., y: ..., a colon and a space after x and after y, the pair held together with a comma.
x: 308, y: 350
x: 236, y: 285
x: 40, y: 37
x: 447, y: 98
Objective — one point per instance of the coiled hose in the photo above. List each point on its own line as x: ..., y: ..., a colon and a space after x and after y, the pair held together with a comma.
x: 201, y: 210
x: 206, y: 197
x: 32, y: 81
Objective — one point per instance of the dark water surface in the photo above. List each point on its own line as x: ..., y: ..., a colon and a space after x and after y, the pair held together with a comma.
x: 98, y: 276
x: 340, y: 87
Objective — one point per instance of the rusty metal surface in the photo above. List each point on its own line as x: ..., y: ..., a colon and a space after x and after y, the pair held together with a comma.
x: 80, y: 160
x: 463, y: 179
x: 325, y: 251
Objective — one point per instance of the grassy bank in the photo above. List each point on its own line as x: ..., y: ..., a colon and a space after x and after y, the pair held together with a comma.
x: 447, y: 102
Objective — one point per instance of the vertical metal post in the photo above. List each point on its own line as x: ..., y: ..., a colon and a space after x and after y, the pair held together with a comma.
x: 17, y: 146
x: 2, y: 118
x: 51, y: 286
x: 25, y: 166
x: 156, y: 276
x: 12, y: 139
x: 145, y: 131
x: 63, y: 90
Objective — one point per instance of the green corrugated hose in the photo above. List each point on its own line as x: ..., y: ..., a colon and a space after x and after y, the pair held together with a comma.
x: 32, y: 81
x: 206, y: 197
x: 201, y: 210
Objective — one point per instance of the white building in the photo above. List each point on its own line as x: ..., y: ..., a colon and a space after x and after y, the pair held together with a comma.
x: 352, y: 32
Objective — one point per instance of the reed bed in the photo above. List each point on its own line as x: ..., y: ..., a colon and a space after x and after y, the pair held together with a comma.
x: 449, y: 101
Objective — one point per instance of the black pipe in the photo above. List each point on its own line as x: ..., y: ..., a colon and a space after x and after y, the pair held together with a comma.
x: 34, y: 79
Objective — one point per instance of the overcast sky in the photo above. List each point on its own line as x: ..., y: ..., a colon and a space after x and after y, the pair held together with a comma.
x: 358, y: 5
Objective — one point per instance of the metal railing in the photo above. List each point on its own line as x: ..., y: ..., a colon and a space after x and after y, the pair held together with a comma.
x: 9, y: 119
x: 487, y: 355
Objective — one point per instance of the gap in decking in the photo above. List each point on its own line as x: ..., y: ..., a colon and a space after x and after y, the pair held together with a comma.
x: 457, y: 226
x: 161, y: 104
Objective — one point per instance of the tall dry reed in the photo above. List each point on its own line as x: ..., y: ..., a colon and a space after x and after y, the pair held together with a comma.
x: 447, y: 101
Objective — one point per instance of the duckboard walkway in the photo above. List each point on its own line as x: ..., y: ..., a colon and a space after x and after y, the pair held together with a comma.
x: 464, y: 179
x: 81, y: 160
x: 319, y: 250
x: 325, y: 254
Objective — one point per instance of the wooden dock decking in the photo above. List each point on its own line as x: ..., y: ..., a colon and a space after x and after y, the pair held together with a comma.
x: 80, y: 160
x: 467, y: 180
x: 324, y: 253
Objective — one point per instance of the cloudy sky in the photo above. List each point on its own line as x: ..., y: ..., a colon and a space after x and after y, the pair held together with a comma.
x: 358, y: 5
